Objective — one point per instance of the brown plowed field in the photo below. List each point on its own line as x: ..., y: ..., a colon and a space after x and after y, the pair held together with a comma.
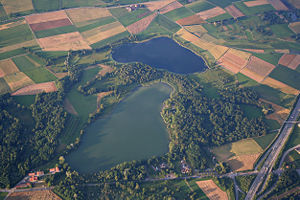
x: 17, y: 80
x: 191, y: 20
x: 256, y: 50
x: 36, y: 89
x: 234, y: 60
x: 45, y: 17
x: 105, y: 69
x: 289, y: 60
x: 155, y: 5
x: 233, y: 11
x: 172, y: 6
x: 50, y: 24
x: 295, y: 27
x: 256, y: 3
x: 141, y: 25
x: 63, y: 42
x: 34, y: 195
x: 257, y: 69
x: 211, y: 13
x: 86, y: 14
x: 243, y: 162
x: 211, y: 190
x: 294, y: 63
x: 15, y: 6
x: 281, y: 86
x: 7, y: 67
x: 278, y: 5
x: 280, y: 113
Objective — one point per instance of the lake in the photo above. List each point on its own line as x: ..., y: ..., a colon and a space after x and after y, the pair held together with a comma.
x: 133, y: 131
x: 163, y: 53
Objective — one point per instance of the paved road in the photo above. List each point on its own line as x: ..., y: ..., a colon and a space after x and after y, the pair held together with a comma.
x: 286, y: 153
x: 275, y: 150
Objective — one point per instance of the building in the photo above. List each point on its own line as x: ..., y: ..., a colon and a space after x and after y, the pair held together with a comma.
x: 39, y: 173
x: 31, y: 174
x: 54, y: 170
x: 33, y: 179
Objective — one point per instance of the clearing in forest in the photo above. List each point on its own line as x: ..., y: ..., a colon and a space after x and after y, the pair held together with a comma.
x: 15, y: 6
x: 234, y: 12
x: 45, y: 17
x: 63, y: 42
x: 279, y: 85
x: 280, y: 113
x: 234, y: 60
x: 36, y: 89
x: 290, y: 61
x: 207, y: 14
x: 191, y: 20
x: 78, y: 15
x: 7, y: 67
x: 33, y: 195
x: 172, y: 6
x: 141, y: 25
x: 295, y: 26
x: 211, y: 190
x: 256, y: 3
x: 155, y: 5
x: 105, y: 69
x: 17, y: 80
x: 278, y: 5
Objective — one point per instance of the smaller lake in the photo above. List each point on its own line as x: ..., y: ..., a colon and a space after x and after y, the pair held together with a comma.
x: 133, y: 131
x: 161, y: 53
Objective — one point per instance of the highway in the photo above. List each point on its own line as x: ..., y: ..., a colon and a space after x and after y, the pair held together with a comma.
x: 275, y: 150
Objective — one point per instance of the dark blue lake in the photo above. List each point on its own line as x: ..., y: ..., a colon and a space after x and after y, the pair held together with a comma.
x: 163, y: 53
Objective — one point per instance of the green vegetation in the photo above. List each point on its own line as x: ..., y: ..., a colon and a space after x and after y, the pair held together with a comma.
x: 126, y: 18
x: 200, y: 6
x: 40, y: 75
x: 294, y: 138
x: 264, y: 141
x: 251, y: 111
x: 252, y: 10
x: 272, y: 124
x: 111, y: 40
x: 166, y: 23
x: 219, y: 17
x: 80, y: 3
x: 272, y: 58
x: 245, y: 81
x: 282, y: 30
x: 37, y: 59
x: 97, y: 23
x: 179, y: 13
x: 222, y: 3
x: 153, y: 30
x: 55, y: 31
x: 4, y: 88
x: 3, y: 15
x: 25, y: 100
x: 15, y: 35
x: 287, y: 76
x: 71, y: 131
x: 3, y: 195
x: 23, y: 63
x: 46, y: 5
x: 278, y: 44
x: 244, y: 183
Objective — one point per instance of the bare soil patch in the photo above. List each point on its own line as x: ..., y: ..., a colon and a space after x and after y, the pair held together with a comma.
x: 155, y: 5
x: 45, y: 17
x: 290, y: 61
x: 105, y: 69
x: 34, y: 195
x: 100, y: 96
x: 279, y: 85
x: 295, y: 27
x: 86, y: 14
x: 63, y: 42
x: 141, y: 25
x: 211, y: 13
x: 278, y: 5
x: 233, y: 11
x: 172, y: 6
x: 211, y: 190
x: 15, y: 6
x: 280, y: 113
x: 69, y: 107
x: 7, y: 67
x: 243, y: 162
x: 50, y: 24
x: 191, y: 20
x: 36, y: 89
x: 256, y: 3
x: 61, y: 75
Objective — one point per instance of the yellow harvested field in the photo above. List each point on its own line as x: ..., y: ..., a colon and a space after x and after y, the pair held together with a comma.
x: 172, y: 6
x: 12, y: 24
x: 281, y: 86
x: 256, y: 3
x: 243, y: 162
x: 212, y: 39
x: 61, y: 75
x: 278, y: 5
x: 103, y: 32
x: 18, y: 46
x: 17, y: 80
x: 45, y: 17
x: 36, y: 89
x: 295, y: 26
x: 105, y: 69
x: 216, y: 50
x: 63, y: 42
x: 290, y: 60
x: 7, y: 67
x: 141, y: 25
x: 256, y: 50
x: 257, y: 69
x: 34, y: 195
x: 155, y: 5
x: 216, y: 11
x: 196, y: 29
x: 15, y: 6
x: 86, y: 14
x: 280, y: 114
x: 211, y: 190
x: 234, y: 60
x: 285, y: 51
x: 69, y: 107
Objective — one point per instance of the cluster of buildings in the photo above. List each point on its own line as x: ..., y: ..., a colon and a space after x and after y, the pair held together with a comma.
x: 34, y: 176
x: 133, y: 7
x: 161, y: 166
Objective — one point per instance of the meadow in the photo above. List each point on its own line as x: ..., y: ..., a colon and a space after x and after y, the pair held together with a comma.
x: 179, y: 13
x: 55, y: 31
x: 286, y: 75
x: 15, y: 35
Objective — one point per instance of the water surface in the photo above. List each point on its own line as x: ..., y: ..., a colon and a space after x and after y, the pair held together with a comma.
x: 161, y: 53
x: 133, y: 131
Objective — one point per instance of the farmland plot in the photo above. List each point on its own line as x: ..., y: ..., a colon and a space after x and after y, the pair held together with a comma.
x: 156, y: 5
x: 50, y: 24
x: 172, y: 6
x: 78, y: 15
x: 290, y: 61
x: 211, y: 190
x: 256, y: 3
x: 7, y: 67
x: 33, y: 195
x: 45, y: 17
x: 141, y: 25
x: 278, y: 5
x: 280, y: 113
x: 17, y: 80
x: 16, y: 6
x: 12, y: 24
x: 36, y: 89
x: 191, y: 20
x: 211, y: 13
x: 295, y: 26
x: 279, y: 85
x: 234, y: 12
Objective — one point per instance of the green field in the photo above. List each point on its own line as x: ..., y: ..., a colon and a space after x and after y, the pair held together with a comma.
x: 72, y: 130
x: 153, y: 30
x: 222, y: 3
x: 126, y: 18
x: 3, y: 15
x: 245, y: 81
x: 25, y: 100
x: 15, y: 35
x: 40, y: 75
x: 220, y: 17
x: 55, y: 31
x: 3, y: 195
x: 272, y: 58
x: 272, y: 124
x: 287, y: 76
x: 23, y: 63
x: 252, y: 10
x: 278, y: 44
x: 4, y: 88
x: 251, y: 111
x: 110, y: 40
x: 95, y: 57
x: 281, y: 30
x: 37, y: 59
x: 200, y: 6
x: 97, y: 23
x: 166, y: 23
x: 46, y: 5
x: 80, y: 3
x: 265, y: 140
x: 179, y: 13
x: 294, y: 138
